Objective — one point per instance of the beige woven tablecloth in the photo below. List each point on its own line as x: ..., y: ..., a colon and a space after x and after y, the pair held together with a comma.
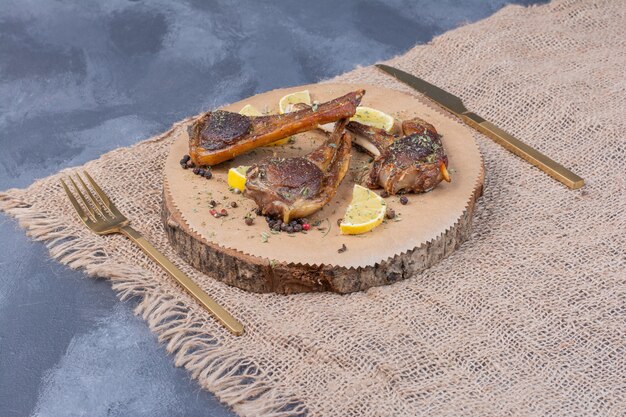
x: 526, y: 318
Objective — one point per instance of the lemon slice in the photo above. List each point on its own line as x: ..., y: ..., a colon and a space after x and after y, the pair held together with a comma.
x: 373, y: 117
x: 285, y: 105
x: 366, y: 211
x: 237, y: 177
x: 250, y: 110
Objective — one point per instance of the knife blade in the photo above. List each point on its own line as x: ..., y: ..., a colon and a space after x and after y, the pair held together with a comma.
x: 455, y: 105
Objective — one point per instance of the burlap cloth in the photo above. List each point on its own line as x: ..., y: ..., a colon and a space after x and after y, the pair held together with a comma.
x: 526, y: 318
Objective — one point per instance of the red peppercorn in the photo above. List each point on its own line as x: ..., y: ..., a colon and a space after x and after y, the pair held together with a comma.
x: 306, y: 226
x: 213, y: 212
x: 223, y: 212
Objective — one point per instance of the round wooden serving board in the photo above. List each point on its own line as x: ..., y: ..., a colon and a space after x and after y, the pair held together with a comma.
x: 427, y: 229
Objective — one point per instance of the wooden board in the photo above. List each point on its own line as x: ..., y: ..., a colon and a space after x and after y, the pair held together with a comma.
x: 428, y: 228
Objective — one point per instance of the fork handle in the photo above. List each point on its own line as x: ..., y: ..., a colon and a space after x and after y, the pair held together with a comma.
x: 210, y: 304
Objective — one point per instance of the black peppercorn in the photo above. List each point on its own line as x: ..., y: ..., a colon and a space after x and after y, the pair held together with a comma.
x: 404, y: 200
x: 391, y: 213
x: 233, y: 204
x: 249, y: 221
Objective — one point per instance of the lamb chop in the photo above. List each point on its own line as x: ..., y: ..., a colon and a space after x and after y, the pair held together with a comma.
x: 221, y: 135
x: 292, y: 188
x: 414, y: 162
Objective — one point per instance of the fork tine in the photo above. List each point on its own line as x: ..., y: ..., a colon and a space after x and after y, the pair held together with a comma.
x: 96, y: 201
x: 84, y: 200
x: 79, y: 209
x: 99, y: 212
x: 102, y: 195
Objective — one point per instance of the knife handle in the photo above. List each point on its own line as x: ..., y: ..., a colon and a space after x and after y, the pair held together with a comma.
x: 519, y: 148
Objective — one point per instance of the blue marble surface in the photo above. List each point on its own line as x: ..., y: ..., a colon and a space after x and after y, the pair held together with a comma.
x: 81, y: 77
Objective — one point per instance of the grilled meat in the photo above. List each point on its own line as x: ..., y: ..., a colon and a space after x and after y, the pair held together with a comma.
x: 292, y: 188
x: 221, y: 135
x: 413, y: 162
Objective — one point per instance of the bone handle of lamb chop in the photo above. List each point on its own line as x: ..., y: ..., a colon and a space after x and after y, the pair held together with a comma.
x: 364, y: 137
x: 221, y: 135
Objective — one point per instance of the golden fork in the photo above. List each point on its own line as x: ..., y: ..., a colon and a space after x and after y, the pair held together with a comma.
x: 101, y: 216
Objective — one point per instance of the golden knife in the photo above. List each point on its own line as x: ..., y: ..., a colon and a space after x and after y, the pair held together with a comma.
x: 454, y: 105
